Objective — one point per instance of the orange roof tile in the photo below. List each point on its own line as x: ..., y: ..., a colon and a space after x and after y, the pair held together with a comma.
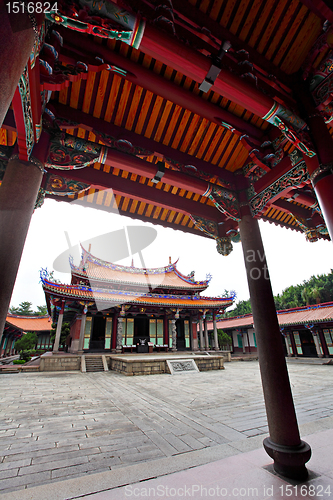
x: 30, y: 323
x: 307, y: 314
x: 125, y: 297
x: 167, y: 277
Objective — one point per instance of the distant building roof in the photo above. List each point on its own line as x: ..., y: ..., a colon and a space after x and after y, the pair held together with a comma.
x: 96, y: 280
x: 113, y: 297
x: 30, y: 323
x: 318, y: 313
x: 96, y: 269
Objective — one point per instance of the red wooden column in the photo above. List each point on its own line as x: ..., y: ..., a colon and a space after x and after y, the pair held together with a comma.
x: 320, y: 167
x: 166, y: 330
x: 16, y: 43
x: 284, y: 445
x: 194, y: 327
x: 18, y: 194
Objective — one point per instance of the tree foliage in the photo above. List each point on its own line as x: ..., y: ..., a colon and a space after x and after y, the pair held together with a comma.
x: 24, y: 309
x: 315, y: 290
x: 26, y: 342
x: 223, y: 338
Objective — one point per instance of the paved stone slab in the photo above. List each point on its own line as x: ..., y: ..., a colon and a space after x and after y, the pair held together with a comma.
x: 72, y: 424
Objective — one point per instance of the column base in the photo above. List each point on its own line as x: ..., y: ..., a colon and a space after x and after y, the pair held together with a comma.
x: 289, y: 461
x: 173, y: 349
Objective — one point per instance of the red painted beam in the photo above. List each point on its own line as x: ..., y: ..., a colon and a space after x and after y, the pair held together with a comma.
x: 135, y: 216
x: 303, y: 198
x: 161, y: 86
x: 196, y: 66
x: 101, y: 180
x: 186, y: 10
x: 290, y: 208
x: 320, y: 8
x: 137, y: 166
x: 89, y: 122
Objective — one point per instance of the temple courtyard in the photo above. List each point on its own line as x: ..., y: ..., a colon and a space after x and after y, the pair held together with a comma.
x: 106, y: 436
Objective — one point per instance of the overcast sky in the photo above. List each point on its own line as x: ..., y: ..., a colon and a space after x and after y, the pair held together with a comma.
x: 291, y: 259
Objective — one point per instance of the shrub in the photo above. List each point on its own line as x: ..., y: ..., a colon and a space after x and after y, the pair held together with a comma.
x: 28, y: 341
x: 224, y: 338
x: 19, y: 362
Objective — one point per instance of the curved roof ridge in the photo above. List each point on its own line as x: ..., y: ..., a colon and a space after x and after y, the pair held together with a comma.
x: 33, y: 316
x: 118, y: 267
x: 190, y: 279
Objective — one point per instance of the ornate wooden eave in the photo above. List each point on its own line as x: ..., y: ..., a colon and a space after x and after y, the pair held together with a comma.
x: 186, y: 107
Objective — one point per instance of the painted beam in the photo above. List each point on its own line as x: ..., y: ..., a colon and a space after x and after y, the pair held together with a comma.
x: 83, y: 202
x: 99, y: 179
x: 161, y: 86
x: 89, y: 122
x: 320, y: 9
x: 199, y: 18
x: 196, y: 66
x: 290, y: 208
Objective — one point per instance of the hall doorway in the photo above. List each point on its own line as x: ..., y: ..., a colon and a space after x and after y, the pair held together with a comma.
x: 308, y: 345
x: 141, y: 329
x: 181, y: 346
x: 97, y: 339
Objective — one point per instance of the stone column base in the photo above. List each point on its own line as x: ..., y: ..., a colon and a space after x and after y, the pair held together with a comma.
x: 289, y: 461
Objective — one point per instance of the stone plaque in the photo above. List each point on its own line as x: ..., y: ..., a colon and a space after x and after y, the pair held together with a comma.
x: 182, y: 366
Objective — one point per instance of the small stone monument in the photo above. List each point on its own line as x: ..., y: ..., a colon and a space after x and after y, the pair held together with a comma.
x: 182, y: 366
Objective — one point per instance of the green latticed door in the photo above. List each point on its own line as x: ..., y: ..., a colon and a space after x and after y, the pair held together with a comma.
x: 87, y: 332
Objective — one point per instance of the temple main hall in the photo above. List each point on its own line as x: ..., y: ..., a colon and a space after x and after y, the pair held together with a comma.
x: 114, y: 308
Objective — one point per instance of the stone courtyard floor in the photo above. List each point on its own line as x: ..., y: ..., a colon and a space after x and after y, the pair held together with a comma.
x: 99, y: 435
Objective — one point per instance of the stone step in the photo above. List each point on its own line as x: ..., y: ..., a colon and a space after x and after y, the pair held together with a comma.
x: 9, y: 369
x: 94, y: 364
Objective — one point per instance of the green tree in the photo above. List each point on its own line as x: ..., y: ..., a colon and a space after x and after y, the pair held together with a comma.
x: 242, y: 307
x: 223, y: 338
x: 26, y: 342
x: 41, y: 310
x: 312, y: 291
x: 24, y: 309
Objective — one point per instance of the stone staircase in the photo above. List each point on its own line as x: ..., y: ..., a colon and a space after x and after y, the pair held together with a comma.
x: 94, y: 364
x: 9, y: 369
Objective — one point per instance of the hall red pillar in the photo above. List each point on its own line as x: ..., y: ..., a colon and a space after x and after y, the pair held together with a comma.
x: 16, y: 43
x: 284, y: 445
x: 320, y: 167
x: 322, y: 180
x: 18, y: 194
